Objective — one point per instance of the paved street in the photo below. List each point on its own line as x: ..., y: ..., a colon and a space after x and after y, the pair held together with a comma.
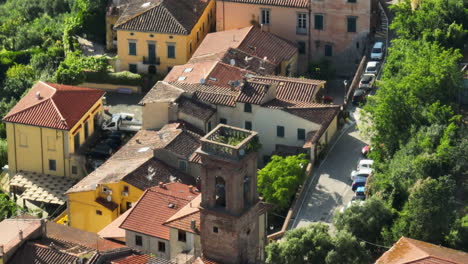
x: 333, y: 188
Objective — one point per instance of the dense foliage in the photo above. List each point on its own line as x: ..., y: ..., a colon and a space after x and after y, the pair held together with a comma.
x: 420, y: 144
x: 8, y: 208
x: 279, y: 179
x: 314, y: 244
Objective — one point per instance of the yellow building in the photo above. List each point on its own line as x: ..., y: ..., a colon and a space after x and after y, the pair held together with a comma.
x: 48, y: 125
x: 155, y: 36
x: 149, y: 158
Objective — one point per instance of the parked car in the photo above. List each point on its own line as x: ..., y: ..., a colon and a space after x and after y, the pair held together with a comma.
x: 122, y: 122
x: 358, y: 182
x: 100, y: 151
x: 377, y: 51
x: 372, y: 67
x: 365, y: 172
x: 365, y: 150
x: 365, y: 163
x: 114, y: 143
x: 367, y: 81
x: 359, y: 97
x: 360, y: 193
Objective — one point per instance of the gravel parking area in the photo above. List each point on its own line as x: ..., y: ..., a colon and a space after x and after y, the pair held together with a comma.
x: 126, y: 103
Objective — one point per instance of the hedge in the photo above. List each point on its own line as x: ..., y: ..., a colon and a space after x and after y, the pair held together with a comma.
x: 124, y: 78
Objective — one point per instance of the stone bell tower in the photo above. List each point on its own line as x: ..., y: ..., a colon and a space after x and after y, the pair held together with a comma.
x: 233, y: 228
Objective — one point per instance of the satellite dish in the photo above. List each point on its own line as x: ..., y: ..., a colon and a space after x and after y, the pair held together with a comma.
x: 232, y: 62
x: 109, y: 198
x: 242, y: 152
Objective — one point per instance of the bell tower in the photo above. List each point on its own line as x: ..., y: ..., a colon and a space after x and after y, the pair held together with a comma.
x: 232, y: 217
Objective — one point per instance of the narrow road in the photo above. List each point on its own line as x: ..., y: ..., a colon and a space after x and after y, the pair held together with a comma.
x: 331, y: 187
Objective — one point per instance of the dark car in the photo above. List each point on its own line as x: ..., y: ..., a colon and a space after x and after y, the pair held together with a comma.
x: 100, y: 151
x: 357, y: 184
x: 367, y: 81
x: 359, y: 97
x: 114, y: 143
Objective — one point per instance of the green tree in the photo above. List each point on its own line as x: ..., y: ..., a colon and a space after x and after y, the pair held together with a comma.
x: 347, y: 250
x: 8, y: 208
x: 428, y: 214
x: 458, y: 236
x: 365, y: 220
x: 3, y: 153
x: 301, y: 245
x: 279, y: 179
x: 19, y: 78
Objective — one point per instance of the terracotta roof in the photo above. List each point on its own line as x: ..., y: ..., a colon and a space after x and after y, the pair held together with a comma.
x: 253, y: 92
x: 195, y: 158
x: 210, y: 93
x: 32, y: 253
x: 160, y: 171
x: 185, y: 144
x: 215, y: 44
x: 9, y: 228
x: 249, y: 61
x: 293, y: 89
x: 58, y: 106
x: 190, y: 72
x: 319, y: 115
x: 195, y: 108
x: 223, y: 73
x: 109, y: 205
x: 162, y: 92
x: 162, y: 16
x: 141, y: 259
x: 155, y: 206
x: 407, y: 250
x: 287, y: 3
x: 269, y: 46
x: 113, y: 229
x: 203, y: 260
x: 182, y: 220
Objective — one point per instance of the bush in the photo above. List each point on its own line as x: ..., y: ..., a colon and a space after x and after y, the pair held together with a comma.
x: 3, y: 153
x: 124, y: 78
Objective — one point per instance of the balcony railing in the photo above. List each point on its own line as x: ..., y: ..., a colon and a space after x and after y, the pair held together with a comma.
x: 301, y: 31
x: 151, y: 60
x: 229, y: 142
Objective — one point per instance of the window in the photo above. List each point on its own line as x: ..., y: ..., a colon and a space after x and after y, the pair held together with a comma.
x: 183, y: 165
x: 161, y: 246
x: 248, y: 125
x: 280, y: 131
x: 301, y: 47
x: 129, y: 205
x: 171, y: 51
x: 198, y: 36
x: 318, y: 22
x: 98, y: 212
x: 51, y: 143
x: 86, y: 129
x: 76, y: 141
x: 132, y: 68
x: 125, y: 189
x: 132, y: 48
x: 351, y: 24
x: 209, y: 125
x: 223, y: 120
x: 328, y: 50
x: 23, y: 140
x: 169, y: 68
x: 182, y: 237
x: 265, y: 16
x: 190, y: 47
x: 351, y: 1
x: 247, y: 108
x: 301, y: 134
x: 215, y: 229
x: 52, y: 165
x: 301, y: 23
x: 74, y: 170
x: 138, y: 240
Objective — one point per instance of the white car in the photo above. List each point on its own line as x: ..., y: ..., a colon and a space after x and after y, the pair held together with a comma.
x: 372, y: 67
x: 364, y: 172
x: 377, y: 51
x: 365, y: 163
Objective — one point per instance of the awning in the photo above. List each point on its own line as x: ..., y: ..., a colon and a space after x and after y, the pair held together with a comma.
x: 42, y: 188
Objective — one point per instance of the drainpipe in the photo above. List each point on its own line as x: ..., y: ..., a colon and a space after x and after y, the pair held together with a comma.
x: 309, y: 36
x: 42, y: 151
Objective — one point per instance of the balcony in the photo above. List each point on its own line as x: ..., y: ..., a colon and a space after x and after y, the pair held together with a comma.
x: 151, y: 60
x: 301, y: 31
x: 230, y: 142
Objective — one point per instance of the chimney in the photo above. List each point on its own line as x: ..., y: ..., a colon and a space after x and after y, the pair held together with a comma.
x: 38, y: 96
x: 2, y: 250
x: 190, y: 188
x: 20, y: 234
x: 161, y: 185
x: 261, y: 27
x: 193, y: 225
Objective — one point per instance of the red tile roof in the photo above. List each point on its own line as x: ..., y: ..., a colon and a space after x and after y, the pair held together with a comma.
x: 195, y: 108
x: 293, y: 89
x: 32, y: 253
x: 287, y: 3
x: 58, y: 106
x: 408, y: 250
x: 223, y: 73
x: 141, y: 259
x: 182, y: 220
x: 109, y: 205
x: 113, y: 229
x: 157, y: 205
x: 253, y: 92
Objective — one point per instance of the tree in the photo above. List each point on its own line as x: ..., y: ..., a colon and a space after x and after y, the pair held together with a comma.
x: 428, y: 213
x: 8, y: 208
x: 301, y: 245
x: 313, y: 244
x: 458, y: 236
x: 19, y: 78
x: 3, y: 153
x: 279, y: 179
x: 347, y: 250
x: 365, y: 220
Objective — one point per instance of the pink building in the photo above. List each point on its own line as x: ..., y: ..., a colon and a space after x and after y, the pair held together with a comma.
x: 334, y: 29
